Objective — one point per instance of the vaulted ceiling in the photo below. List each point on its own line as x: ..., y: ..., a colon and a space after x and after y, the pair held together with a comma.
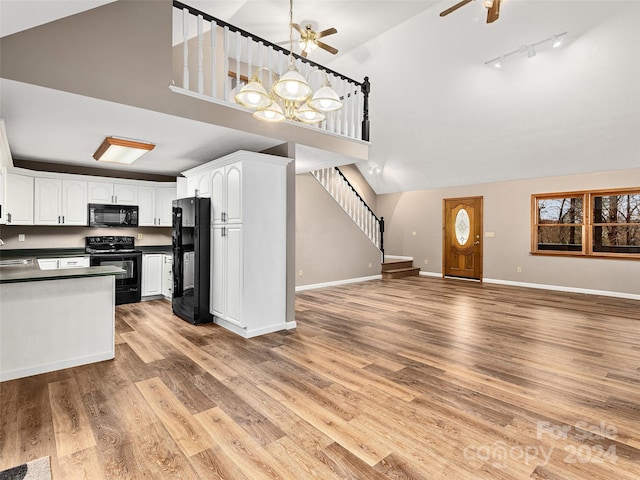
x: 440, y: 116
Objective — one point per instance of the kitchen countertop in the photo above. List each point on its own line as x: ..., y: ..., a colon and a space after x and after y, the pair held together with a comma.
x: 32, y: 273
x: 70, y: 252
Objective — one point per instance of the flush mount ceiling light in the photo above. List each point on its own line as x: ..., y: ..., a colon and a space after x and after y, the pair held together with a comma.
x: 121, y: 150
x: 555, y: 40
x: 290, y: 96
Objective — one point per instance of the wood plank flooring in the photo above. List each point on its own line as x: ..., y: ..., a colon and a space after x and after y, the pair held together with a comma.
x: 415, y: 378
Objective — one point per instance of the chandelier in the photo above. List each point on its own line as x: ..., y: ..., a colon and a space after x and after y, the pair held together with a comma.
x: 290, y: 96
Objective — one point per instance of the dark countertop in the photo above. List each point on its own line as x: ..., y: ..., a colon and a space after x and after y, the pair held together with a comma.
x: 70, y: 252
x: 31, y: 273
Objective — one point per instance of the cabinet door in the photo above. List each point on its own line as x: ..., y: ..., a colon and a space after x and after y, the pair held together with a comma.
x: 100, y: 192
x: 233, y: 187
x: 167, y: 275
x: 74, y: 202
x: 151, y: 274
x: 125, y: 194
x: 164, y: 198
x: 147, y: 206
x: 198, y: 185
x: 47, y: 208
x: 217, y: 271
x: 217, y: 195
x: 19, y: 199
x: 233, y: 303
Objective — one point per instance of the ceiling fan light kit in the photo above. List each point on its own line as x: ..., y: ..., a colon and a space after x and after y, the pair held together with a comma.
x: 292, y: 90
x: 492, y: 6
x: 530, y: 50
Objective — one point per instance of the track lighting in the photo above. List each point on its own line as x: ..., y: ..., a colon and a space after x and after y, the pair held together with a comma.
x: 530, y: 49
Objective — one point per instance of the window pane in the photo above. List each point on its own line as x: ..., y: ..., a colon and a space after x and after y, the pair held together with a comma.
x: 559, y: 210
x: 560, y: 238
x: 623, y: 239
x: 616, y: 208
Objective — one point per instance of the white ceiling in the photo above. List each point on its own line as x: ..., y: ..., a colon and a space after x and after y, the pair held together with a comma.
x: 439, y: 116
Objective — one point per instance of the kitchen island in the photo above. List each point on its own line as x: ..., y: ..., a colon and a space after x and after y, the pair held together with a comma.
x: 55, y: 319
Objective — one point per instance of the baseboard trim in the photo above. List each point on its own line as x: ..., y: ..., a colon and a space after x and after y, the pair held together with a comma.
x: 302, y: 288
x: 54, y: 366
x: 558, y: 288
x: 541, y: 286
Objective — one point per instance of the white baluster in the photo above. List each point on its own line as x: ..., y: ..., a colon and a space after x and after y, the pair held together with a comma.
x: 185, y: 49
x: 354, y: 110
x: 249, y: 57
x: 226, y: 63
x: 238, y: 39
x: 214, y: 76
x: 345, y: 107
x: 200, y: 56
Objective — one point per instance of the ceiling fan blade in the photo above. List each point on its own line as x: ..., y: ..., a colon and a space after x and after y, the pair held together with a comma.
x: 297, y: 27
x: 455, y: 7
x: 328, y: 48
x: 327, y: 32
x: 494, y: 12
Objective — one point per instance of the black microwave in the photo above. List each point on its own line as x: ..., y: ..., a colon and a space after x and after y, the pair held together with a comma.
x: 112, y: 215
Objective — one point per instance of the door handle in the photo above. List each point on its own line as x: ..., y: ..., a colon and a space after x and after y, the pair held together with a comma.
x: 8, y: 218
x: 477, y: 243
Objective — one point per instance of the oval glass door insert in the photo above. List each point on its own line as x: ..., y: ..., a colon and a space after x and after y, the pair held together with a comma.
x: 462, y: 226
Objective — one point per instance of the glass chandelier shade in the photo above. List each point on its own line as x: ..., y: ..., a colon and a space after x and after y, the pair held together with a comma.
x: 253, y: 95
x: 306, y: 114
x: 272, y: 113
x: 292, y: 86
x: 326, y: 100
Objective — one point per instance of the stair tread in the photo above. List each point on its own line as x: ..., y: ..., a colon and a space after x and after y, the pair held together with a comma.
x: 404, y: 269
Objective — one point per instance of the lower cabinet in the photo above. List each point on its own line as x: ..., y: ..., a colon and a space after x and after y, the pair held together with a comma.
x: 167, y: 276
x: 152, y: 274
x: 226, y: 274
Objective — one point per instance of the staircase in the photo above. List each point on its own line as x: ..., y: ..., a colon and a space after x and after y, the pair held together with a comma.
x: 398, y: 268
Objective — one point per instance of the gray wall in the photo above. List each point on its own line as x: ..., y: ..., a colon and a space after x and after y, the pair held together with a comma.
x: 329, y: 246
x: 507, y: 207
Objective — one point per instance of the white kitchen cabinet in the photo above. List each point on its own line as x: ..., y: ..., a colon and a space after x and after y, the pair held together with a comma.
x: 60, y: 202
x: 199, y: 184
x: 63, y: 262
x: 151, y: 274
x: 249, y: 242
x: 167, y: 276
x: 19, y: 197
x: 113, y: 193
x: 155, y: 205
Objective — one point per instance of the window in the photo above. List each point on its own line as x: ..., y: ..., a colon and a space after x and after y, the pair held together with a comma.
x: 593, y: 223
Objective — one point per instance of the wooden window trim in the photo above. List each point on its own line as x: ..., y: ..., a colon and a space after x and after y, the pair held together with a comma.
x: 587, y: 223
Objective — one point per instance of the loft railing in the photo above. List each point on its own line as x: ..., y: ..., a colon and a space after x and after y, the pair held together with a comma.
x: 334, y: 182
x: 214, y: 59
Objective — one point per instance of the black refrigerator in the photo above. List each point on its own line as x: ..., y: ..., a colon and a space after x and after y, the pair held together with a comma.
x: 191, y: 259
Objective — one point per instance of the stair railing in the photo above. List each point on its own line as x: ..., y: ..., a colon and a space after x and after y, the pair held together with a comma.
x: 337, y: 185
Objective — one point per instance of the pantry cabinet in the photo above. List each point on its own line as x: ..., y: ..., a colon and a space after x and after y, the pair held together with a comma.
x: 249, y: 241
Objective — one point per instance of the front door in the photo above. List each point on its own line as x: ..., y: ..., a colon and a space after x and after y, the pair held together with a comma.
x: 462, y: 239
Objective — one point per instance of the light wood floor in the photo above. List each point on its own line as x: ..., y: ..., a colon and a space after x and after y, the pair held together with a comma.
x: 409, y: 378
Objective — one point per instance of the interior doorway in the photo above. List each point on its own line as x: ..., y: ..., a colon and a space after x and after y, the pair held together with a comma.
x: 462, y: 237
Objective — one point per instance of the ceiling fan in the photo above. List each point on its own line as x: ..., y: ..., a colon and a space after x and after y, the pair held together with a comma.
x: 310, y: 39
x: 493, y: 9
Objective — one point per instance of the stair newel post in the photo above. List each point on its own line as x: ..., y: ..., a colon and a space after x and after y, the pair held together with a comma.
x: 366, y: 89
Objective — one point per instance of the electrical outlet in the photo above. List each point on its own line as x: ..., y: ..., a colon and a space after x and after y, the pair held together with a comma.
x: 489, y: 234
x: 426, y: 262
x: 299, y: 273
x: 22, y: 237
x: 139, y: 236
x: 414, y: 233
x: 369, y: 264
x: 519, y: 269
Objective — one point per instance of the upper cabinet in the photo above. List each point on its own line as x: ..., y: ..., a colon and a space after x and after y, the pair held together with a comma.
x: 113, y: 193
x: 226, y: 194
x: 60, y: 202
x: 19, y: 199
x: 155, y: 204
x: 198, y: 184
